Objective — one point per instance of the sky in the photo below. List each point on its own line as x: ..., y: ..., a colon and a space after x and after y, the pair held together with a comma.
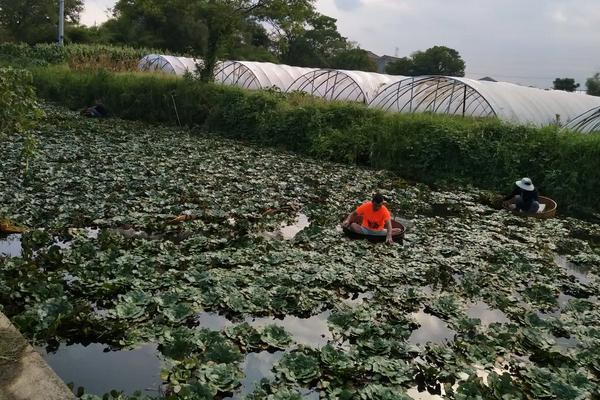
x: 529, y: 42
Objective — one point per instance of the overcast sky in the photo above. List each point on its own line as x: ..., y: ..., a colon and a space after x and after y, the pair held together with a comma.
x: 521, y: 41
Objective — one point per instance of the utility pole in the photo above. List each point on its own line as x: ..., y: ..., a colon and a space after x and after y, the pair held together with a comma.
x: 61, y: 22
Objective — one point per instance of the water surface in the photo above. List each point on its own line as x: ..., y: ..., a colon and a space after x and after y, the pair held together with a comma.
x: 10, y: 245
x: 432, y: 329
x: 100, y: 371
x: 312, y: 331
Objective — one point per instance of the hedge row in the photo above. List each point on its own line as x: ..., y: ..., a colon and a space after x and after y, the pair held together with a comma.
x: 430, y: 148
x: 77, y: 56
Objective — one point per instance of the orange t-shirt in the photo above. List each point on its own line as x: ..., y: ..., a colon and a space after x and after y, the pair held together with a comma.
x: 373, y: 220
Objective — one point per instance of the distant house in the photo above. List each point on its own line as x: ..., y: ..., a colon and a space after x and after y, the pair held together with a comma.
x: 380, y: 61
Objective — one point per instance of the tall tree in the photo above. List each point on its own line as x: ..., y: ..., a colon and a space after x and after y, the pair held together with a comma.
x: 166, y: 24
x: 593, y: 85
x: 223, y: 18
x: 35, y: 21
x: 315, y: 45
x: 354, y: 59
x: 566, y: 84
x: 208, y: 28
x: 401, y: 66
x: 437, y: 60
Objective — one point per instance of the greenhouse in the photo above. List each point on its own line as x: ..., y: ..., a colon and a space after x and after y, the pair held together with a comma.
x: 168, y: 64
x: 394, y: 93
x: 587, y: 122
x: 432, y: 94
x: 258, y: 75
x: 468, y: 97
x: 329, y: 84
x: 524, y: 104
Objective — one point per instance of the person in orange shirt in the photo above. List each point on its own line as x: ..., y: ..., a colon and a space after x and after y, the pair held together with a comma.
x: 376, y: 219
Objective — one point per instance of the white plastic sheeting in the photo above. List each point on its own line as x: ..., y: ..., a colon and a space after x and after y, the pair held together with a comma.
x: 436, y: 94
x: 524, y: 104
x: 332, y: 84
x: 449, y: 95
x: 168, y: 64
x: 258, y: 75
x: 587, y: 122
x: 462, y: 96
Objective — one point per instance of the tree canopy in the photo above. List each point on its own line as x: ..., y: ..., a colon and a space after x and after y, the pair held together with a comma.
x: 34, y: 21
x: 566, y: 84
x: 437, y: 60
x: 284, y: 31
x: 287, y: 31
x: 593, y: 85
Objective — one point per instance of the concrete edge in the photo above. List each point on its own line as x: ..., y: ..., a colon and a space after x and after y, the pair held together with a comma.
x: 30, y: 378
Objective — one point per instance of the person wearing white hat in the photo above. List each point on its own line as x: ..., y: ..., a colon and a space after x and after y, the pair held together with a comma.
x: 525, y: 196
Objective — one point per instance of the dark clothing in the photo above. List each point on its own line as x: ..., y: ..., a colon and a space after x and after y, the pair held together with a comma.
x: 527, y: 199
x: 100, y: 109
x: 97, y: 111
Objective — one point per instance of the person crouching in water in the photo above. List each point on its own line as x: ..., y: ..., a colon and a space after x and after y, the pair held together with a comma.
x: 525, y: 196
x: 376, y: 219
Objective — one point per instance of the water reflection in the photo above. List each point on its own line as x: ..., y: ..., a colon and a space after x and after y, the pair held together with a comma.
x: 257, y: 366
x: 580, y: 272
x: 357, y: 299
x: 424, y: 395
x: 10, y: 245
x: 212, y: 321
x: 288, y: 232
x: 563, y: 299
x: 100, y: 372
x: 312, y: 331
x: 567, y: 343
x: 432, y: 329
x: 485, y: 314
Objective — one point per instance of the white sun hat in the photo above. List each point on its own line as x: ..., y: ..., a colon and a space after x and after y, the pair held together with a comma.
x: 525, y: 184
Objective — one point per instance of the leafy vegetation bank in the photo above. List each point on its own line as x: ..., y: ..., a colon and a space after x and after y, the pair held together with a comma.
x: 76, y: 56
x: 429, y: 148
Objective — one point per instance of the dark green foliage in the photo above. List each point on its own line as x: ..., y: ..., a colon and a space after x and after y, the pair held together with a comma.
x: 354, y: 59
x: 320, y: 45
x: 78, y: 56
x: 18, y: 107
x: 593, y: 85
x: 438, y: 60
x: 34, y: 21
x: 430, y: 148
x: 566, y: 84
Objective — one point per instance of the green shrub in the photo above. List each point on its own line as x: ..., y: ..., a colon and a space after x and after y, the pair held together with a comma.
x: 77, y: 56
x: 430, y: 148
x: 19, y: 110
x: 18, y: 106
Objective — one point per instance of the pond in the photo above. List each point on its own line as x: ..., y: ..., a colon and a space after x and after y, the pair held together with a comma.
x: 99, y: 370
x: 124, y: 272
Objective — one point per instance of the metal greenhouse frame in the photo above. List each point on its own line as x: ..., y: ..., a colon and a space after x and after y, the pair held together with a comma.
x: 258, y: 75
x: 168, y: 64
x: 438, y: 94
x: 331, y: 84
x: 587, y: 122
